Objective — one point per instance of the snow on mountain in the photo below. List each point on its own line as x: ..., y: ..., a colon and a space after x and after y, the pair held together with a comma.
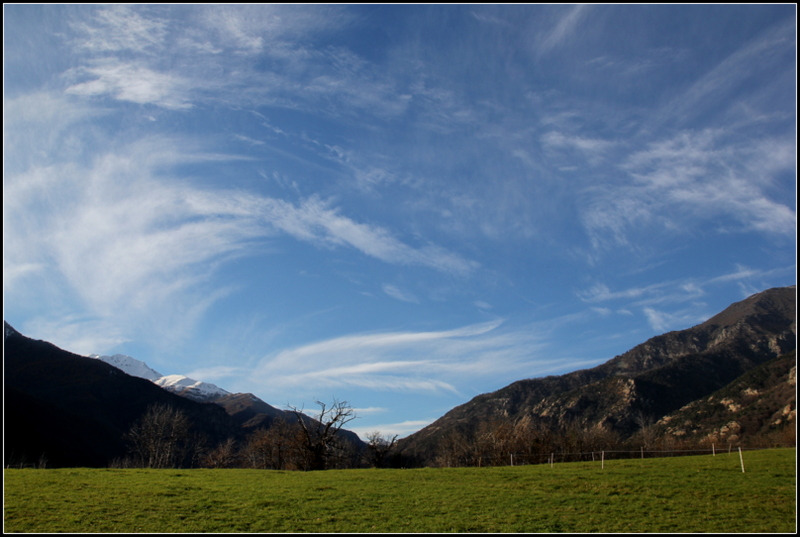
x: 131, y: 366
x: 193, y: 389
x: 178, y: 384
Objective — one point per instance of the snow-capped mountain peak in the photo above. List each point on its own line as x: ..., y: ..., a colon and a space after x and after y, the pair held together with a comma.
x: 191, y: 388
x: 131, y: 366
x: 178, y: 384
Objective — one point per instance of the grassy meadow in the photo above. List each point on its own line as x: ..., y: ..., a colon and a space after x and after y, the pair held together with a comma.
x: 681, y: 494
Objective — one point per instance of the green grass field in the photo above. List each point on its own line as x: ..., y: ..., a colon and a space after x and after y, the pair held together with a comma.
x: 682, y: 494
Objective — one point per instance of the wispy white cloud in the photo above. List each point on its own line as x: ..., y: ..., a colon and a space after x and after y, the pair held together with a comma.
x: 717, y: 176
x: 691, y: 177
x: 634, y: 69
x: 317, y: 221
x: 655, y: 300
x: 130, y: 245
x: 127, y: 236
x: 672, y: 291
x: 742, y: 272
x: 435, y: 362
x: 659, y: 321
x: 134, y: 83
x: 662, y: 321
x: 120, y: 28
x: 491, y: 19
x: 41, y: 128
x: 396, y: 293
x: 591, y: 149
x: 79, y: 334
x: 381, y: 340
x: 564, y: 29
x: 240, y: 27
x: 705, y: 174
x: 601, y: 293
x: 129, y: 252
x: 370, y: 410
x: 401, y: 429
x: 249, y: 140
x: 588, y: 145
x: 126, y: 45
x: 252, y: 29
x: 749, y: 280
x: 753, y: 59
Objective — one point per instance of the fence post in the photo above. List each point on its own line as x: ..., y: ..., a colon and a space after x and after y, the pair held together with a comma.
x: 602, y: 460
x: 741, y: 460
x: 713, y: 451
x: 512, y: 459
x: 643, y: 452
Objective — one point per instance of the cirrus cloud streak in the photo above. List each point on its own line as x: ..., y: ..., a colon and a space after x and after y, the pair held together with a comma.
x: 423, y: 362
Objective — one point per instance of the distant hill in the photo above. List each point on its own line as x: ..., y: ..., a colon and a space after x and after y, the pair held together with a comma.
x: 636, y: 388
x: 251, y: 413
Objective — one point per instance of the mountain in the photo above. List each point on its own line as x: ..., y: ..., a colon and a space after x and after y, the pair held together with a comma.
x: 733, y: 376
x: 75, y: 410
x: 252, y: 413
x: 761, y: 403
x: 636, y: 388
x: 247, y: 410
x: 193, y: 389
x: 131, y: 366
x: 179, y: 384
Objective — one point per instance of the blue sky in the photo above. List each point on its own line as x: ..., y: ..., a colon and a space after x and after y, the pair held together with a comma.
x: 397, y: 206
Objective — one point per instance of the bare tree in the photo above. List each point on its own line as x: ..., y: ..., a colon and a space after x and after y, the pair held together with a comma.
x: 494, y: 442
x: 646, y: 433
x: 455, y: 449
x: 378, y: 448
x: 256, y: 452
x: 321, y: 440
x: 278, y: 448
x: 160, y: 438
x: 223, y: 456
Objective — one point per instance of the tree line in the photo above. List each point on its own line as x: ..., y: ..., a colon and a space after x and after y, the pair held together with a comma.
x: 163, y: 438
x: 502, y: 442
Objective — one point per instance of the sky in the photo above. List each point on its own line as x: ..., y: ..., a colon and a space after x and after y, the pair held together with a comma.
x: 396, y: 206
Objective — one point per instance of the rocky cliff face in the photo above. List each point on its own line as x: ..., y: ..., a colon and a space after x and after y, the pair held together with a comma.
x: 640, y: 386
x: 762, y: 402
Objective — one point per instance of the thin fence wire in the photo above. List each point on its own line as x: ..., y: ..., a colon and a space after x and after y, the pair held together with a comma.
x: 520, y: 459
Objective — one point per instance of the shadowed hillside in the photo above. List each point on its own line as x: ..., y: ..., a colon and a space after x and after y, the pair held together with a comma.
x: 62, y: 409
x: 74, y: 410
x: 761, y: 403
